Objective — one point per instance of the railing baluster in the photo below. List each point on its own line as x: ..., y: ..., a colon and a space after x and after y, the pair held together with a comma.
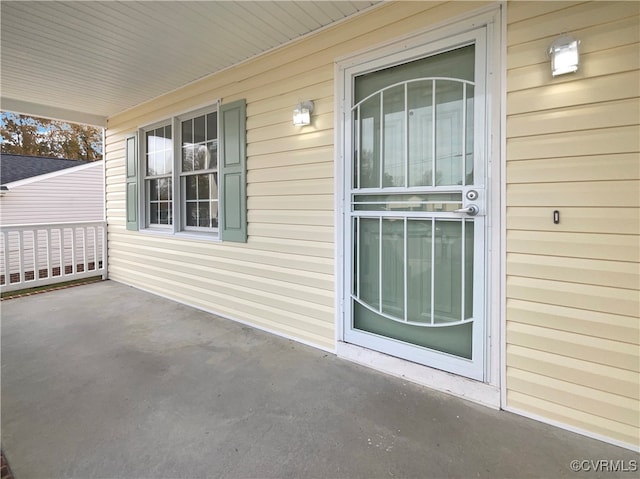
x: 21, y: 268
x: 103, y: 256
x: 20, y: 241
x: 49, y: 255
x: 84, y: 248
x: 94, y: 230
x: 63, y: 269
x: 74, y: 262
x: 5, y: 252
x: 36, y: 256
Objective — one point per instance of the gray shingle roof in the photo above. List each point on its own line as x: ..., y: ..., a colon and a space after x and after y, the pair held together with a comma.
x: 20, y: 167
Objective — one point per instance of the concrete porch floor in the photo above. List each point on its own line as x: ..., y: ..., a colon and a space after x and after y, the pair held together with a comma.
x: 106, y: 381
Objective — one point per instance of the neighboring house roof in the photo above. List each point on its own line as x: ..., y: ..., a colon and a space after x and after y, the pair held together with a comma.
x: 20, y: 167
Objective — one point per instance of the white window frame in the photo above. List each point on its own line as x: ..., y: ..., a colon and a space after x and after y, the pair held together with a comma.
x: 178, y: 177
x: 145, y: 207
x: 181, y: 176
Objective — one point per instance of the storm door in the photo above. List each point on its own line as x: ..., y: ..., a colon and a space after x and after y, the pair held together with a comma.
x: 415, y: 209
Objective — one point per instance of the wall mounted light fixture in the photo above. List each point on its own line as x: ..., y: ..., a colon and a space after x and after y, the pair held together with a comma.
x: 564, y: 55
x: 302, y: 113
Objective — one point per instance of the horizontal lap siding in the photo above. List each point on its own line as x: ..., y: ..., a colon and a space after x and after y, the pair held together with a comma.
x: 282, y: 279
x: 573, y: 289
x: 71, y: 196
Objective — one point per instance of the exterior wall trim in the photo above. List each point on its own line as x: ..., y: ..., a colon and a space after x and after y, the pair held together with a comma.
x: 567, y: 427
x: 105, y: 274
x: 503, y: 207
x: 176, y: 114
x: 46, y: 111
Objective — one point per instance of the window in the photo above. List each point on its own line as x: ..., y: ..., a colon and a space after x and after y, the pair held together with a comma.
x: 192, y: 174
x: 158, y: 170
x: 199, y: 171
x: 193, y: 181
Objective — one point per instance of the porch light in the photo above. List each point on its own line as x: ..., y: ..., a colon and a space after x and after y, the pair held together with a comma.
x: 564, y: 55
x: 302, y: 113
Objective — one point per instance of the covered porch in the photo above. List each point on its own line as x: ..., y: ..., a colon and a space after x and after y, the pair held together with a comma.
x: 104, y: 380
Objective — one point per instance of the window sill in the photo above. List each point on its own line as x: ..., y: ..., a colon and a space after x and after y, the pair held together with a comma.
x: 200, y: 236
x: 187, y: 235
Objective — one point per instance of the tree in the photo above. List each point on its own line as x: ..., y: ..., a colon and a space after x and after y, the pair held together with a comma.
x: 26, y: 135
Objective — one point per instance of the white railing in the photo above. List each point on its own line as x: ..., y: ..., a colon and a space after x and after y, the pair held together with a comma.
x: 37, y: 255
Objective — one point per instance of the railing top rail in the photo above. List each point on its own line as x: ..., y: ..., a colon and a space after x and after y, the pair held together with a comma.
x: 43, y: 226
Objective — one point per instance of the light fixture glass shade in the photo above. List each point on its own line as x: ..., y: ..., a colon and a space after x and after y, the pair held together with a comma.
x: 302, y: 113
x: 564, y: 55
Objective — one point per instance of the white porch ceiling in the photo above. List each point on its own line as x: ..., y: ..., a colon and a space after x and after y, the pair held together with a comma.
x: 87, y: 60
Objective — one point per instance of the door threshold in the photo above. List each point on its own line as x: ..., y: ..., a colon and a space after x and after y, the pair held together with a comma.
x: 478, y: 392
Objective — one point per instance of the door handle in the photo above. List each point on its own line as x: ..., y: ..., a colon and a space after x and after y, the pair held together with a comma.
x: 471, y: 210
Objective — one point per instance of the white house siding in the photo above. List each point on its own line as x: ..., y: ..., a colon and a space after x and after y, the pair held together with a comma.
x: 573, y: 288
x: 70, y: 195
x: 282, y: 279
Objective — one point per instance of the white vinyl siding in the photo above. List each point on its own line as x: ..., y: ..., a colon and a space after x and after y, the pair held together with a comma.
x: 282, y: 279
x: 71, y: 195
x: 573, y: 289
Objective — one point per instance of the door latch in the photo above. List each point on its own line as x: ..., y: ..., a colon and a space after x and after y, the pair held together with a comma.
x: 471, y: 210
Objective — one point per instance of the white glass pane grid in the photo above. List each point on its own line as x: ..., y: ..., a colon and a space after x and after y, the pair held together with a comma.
x: 396, y: 159
x: 432, y: 203
x: 158, y: 171
x: 199, y: 172
x: 431, y: 318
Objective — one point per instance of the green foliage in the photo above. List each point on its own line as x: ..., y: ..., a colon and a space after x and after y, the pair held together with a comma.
x: 26, y: 135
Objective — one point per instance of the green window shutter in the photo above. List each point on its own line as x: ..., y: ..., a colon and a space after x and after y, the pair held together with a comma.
x: 233, y: 172
x: 132, y: 182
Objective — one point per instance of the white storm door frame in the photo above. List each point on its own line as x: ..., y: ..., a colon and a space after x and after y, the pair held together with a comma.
x: 440, y: 37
